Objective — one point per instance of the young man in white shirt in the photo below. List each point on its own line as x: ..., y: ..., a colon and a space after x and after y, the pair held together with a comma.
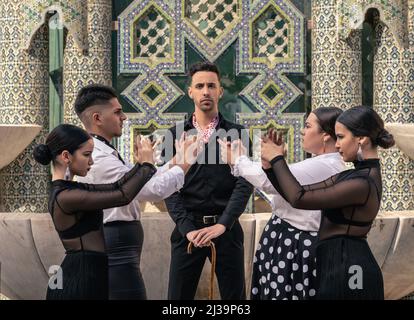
x: 101, y: 113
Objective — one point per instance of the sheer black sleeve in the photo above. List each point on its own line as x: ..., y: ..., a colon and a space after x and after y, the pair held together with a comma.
x: 323, y: 184
x: 328, y: 194
x: 102, y: 196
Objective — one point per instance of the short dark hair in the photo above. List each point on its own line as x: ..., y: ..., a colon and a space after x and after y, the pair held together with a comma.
x: 365, y: 122
x: 91, y: 95
x: 63, y: 137
x: 327, y: 118
x: 203, y: 66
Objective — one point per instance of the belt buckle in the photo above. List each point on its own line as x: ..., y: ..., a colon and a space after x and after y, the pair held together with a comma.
x: 206, y: 219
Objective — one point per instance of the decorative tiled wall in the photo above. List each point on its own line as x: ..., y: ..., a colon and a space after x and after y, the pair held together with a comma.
x: 394, y: 101
x: 94, y: 66
x: 24, y: 94
x: 24, y: 87
x: 73, y: 13
x: 270, y: 37
x: 270, y: 41
x: 336, y: 63
x: 394, y: 13
x: 336, y: 76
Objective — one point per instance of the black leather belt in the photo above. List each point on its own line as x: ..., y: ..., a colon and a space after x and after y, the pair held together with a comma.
x: 120, y: 223
x: 207, y: 219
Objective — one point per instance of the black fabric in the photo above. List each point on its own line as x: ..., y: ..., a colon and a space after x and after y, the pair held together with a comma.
x: 209, y: 189
x: 85, y: 223
x: 123, y: 242
x: 349, y: 202
x: 284, y: 266
x: 84, y: 276
x: 336, y: 260
x: 76, y: 208
x: 96, y: 136
x: 185, y: 269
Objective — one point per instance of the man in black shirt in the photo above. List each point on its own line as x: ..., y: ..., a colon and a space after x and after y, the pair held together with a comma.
x: 208, y: 206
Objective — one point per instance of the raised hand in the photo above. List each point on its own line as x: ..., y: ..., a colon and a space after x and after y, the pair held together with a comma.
x: 137, y: 146
x: 275, y: 136
x: 230, y: 152
x: 187, y: 150
x: 143, y: 150
x: 272, y: 146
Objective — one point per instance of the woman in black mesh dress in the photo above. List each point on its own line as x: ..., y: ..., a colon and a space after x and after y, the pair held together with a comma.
x: 349, y: 201
x: 76, y: 208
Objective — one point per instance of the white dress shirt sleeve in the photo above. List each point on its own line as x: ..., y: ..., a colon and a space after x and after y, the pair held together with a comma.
x: 253, y: 173
x: 163, y: 184
x: 306, y: 172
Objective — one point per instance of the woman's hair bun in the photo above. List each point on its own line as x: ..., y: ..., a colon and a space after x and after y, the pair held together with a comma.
x: 385, y: 139
x: 42, y: 154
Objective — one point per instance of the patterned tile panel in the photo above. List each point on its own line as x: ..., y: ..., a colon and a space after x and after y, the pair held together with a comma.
x: 94, y: 66
x: 394, y: 13
x: 212, y: 19
x: 394, y: 101
x: 336, y: 63
x: 74, y: 15
x: 24, y: 99
x: 211, y: 26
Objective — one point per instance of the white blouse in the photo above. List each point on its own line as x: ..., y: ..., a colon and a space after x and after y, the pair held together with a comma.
x: 308, y: 171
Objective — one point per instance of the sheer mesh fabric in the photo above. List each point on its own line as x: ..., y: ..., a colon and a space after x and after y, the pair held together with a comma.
x: 76, y: 208
x: 349, y: 201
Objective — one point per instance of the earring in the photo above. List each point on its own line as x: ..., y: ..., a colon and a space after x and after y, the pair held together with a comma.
x: 359, y: 153
x: 324, y: 147
x: 67, y: 172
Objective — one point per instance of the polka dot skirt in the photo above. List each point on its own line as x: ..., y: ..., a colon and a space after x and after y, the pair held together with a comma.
x: 284, y: 266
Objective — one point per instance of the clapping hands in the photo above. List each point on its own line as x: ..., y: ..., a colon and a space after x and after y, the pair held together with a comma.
x: 231, y: 151
x: 143, y: 150
x: 187, y: 149
x: 272, y: 146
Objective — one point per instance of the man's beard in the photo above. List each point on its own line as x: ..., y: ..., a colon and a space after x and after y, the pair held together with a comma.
x: 207, y: 107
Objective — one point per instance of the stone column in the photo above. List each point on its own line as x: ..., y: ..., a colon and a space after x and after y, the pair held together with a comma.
x: 94, y: 66
x: 24, y: 99
x: 394, y: 101
x: 336, y: 64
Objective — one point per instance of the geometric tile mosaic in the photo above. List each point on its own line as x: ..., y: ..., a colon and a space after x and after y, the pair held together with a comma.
x: 270, y: 36
x: 73, y: 14
x: 211, y: 26
x: 394, y: 13
x: 24, y: 99
x: 94, y: 66
x: 394, y: 101
x: 336, y: 64
x: 151, y: 39
x: 212, y: 19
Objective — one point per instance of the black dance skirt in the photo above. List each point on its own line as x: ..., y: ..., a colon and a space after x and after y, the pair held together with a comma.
x: 123, y: 243
x: 284, y: 266
x: 84, y: 277
x: 347, y: 270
